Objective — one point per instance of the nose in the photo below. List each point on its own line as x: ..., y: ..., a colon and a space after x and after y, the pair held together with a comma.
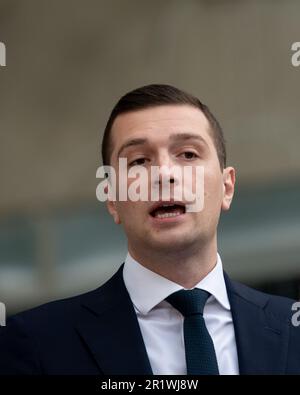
x: 166, y: 171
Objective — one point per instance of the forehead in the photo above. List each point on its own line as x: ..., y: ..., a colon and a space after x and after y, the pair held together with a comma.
x: 157, y: 123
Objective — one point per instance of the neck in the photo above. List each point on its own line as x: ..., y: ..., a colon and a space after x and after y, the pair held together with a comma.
x: 186, y: 267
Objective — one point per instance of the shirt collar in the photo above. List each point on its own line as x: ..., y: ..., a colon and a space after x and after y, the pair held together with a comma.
x: 147, y: 289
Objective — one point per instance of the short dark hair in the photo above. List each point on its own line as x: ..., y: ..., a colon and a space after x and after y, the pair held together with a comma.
x: 157, y: 95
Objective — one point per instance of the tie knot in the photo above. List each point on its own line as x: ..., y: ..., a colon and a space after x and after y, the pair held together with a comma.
x: 189, y: 302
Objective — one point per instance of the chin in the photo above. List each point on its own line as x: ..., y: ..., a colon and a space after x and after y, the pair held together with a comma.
x: 171, y: 242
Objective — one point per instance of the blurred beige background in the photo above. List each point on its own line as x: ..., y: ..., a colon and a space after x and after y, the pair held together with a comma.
x: 67, y: 64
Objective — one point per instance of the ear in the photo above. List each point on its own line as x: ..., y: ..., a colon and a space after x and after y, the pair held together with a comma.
x: 112, y: 209
x: 228, y: 187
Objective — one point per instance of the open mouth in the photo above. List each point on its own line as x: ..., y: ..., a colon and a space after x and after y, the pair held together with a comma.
x: 167, y: 210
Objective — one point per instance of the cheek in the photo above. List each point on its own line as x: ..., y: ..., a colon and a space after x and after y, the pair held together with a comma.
x: 129, y: 212
x: 213, y: 190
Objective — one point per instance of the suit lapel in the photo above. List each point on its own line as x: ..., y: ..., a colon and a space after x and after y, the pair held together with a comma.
x: 109, y: 327
x: 261, y: 337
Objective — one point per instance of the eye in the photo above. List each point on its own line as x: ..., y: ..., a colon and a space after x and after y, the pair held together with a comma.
x: 138, y: 162
x: 189, y: 155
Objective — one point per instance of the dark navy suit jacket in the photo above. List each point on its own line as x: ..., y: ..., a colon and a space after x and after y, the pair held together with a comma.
x: 98, y: 333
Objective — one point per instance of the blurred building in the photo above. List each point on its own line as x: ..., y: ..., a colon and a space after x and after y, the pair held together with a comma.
x: 68, y: 61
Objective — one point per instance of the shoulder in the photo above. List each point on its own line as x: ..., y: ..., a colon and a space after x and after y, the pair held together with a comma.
x: 60, y: 316
x: 58, y: 312
x: 49, y: 318
x: 279, y: 306
x: 32, y: 336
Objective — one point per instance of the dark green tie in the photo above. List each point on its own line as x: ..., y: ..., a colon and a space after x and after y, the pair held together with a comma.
x: 199, y: 348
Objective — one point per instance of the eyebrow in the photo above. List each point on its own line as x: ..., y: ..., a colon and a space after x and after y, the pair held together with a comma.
x: 177, y: 137
x: 131, y: 143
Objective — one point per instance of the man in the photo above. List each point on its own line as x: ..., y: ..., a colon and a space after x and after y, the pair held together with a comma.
x: 170, y: 309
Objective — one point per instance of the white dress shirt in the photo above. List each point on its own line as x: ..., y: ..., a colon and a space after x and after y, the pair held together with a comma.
x: 162, y: 325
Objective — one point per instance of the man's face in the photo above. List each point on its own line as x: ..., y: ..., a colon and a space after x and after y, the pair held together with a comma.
x: 169, y: 135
